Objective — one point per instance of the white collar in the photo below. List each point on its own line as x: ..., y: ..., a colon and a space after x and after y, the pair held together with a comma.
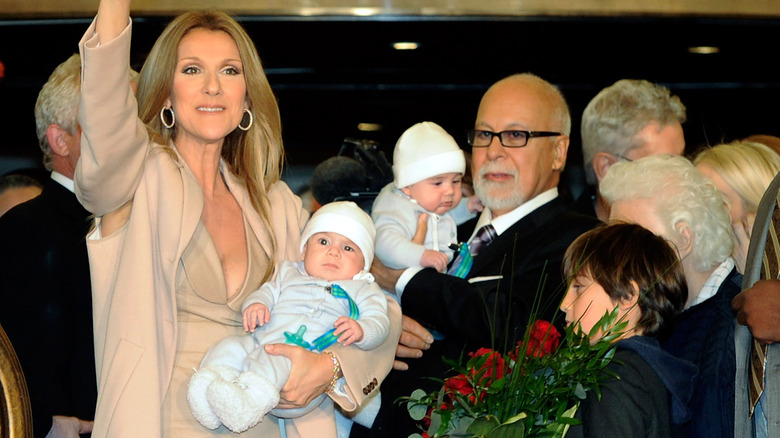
x: 714, y: 281
x: 63, y: 180
x: 503, y: 222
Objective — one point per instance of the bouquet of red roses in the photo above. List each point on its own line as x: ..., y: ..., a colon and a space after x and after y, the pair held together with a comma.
x: 532, y: 391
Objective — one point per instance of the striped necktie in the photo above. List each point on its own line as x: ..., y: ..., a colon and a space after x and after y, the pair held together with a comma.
x: 462, y: 264
x: 771, y: 263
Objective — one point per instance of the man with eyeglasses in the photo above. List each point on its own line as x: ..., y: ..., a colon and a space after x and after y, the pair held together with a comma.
x: 626, y: 121
x: 519, y: 145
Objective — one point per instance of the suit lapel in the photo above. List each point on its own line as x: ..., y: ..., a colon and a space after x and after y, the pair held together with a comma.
x: 488, y: 262
x: 192, y: 204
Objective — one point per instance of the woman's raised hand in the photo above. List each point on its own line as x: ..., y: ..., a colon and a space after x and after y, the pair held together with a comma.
x: 112, y: 18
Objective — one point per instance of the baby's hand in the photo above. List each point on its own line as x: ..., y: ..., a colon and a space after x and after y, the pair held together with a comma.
x: 434, y: 259
x: 348, y: 330
x: 474, y: 204
x: 256, y: 314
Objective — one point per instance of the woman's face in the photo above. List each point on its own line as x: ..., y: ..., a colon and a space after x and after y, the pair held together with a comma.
x: 209, y: 89
x: 737, y: 209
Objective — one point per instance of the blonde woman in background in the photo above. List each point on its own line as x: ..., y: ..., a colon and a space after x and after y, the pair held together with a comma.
x: 742, y: 171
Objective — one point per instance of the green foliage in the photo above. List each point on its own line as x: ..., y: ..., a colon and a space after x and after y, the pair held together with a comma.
x: 533, y: 391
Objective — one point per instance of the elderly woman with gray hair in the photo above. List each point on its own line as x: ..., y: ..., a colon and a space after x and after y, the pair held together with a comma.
x: 667, y: 195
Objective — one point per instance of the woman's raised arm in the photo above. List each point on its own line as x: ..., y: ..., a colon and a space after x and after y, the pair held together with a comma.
x: 112, y: 18
x: 114, y: 141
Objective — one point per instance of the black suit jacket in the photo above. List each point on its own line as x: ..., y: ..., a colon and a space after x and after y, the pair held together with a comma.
x: 46, y: 303
x: 528, y: 256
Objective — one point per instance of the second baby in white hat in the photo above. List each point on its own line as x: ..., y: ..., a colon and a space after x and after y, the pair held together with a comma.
x: 428, y: 167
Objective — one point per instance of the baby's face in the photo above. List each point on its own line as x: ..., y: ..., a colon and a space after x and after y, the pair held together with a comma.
x: 332, y: 256
x: 585, y: 303
x: 438, y: 194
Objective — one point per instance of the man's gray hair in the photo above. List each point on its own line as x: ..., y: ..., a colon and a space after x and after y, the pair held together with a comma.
x: 612, y: 119
x: 58, y: 103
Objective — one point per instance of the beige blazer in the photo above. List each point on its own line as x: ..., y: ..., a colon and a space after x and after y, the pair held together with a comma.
x: 134, y: 269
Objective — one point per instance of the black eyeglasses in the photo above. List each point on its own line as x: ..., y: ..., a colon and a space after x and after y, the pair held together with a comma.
x: 509, y: 139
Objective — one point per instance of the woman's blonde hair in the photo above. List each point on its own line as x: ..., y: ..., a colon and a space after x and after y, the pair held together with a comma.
x: 745, y: 166
x: 254, y: 156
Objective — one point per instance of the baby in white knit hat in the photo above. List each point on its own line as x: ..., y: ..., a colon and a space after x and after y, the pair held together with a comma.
x: 329, y: 296
x: 428, y: 167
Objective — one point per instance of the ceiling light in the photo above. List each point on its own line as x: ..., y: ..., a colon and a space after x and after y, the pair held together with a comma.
x: 704, y: 50
x: 369, y: 127
x: 365, y: 12
x: 405, y: 45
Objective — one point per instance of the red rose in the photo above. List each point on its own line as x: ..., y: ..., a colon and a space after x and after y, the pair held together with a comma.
x: 458, y: 384
x: 493, y: 369
x: 543, y: 340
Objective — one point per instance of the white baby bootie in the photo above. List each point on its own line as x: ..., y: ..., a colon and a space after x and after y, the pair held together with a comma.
x: 242, y: 404
x: 196, y: 392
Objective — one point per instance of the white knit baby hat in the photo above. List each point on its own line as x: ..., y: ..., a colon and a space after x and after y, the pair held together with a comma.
x: 423, y: 151
x: 347, y: 219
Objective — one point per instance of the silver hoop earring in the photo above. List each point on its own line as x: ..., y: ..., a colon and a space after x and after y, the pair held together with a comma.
x: 251, y: 120
x: 162, y: 117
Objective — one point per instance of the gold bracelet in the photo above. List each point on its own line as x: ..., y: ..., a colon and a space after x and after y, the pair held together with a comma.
x: 336, y: 373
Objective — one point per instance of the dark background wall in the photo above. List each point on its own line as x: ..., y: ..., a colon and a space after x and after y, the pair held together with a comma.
x: 331, y: 73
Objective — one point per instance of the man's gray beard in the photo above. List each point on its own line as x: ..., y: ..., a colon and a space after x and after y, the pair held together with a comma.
x: 484, y: 188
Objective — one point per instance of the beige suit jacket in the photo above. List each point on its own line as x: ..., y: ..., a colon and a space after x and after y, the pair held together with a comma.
x: 134, y: 269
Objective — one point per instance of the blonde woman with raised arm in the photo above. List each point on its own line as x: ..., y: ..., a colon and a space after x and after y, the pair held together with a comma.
x: 191, y: 217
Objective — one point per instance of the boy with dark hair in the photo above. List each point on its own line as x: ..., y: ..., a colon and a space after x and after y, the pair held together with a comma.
x: 626, y: 267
